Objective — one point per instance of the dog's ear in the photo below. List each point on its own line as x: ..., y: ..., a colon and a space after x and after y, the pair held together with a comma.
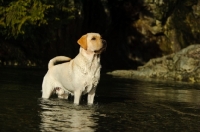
x: 83, y: 42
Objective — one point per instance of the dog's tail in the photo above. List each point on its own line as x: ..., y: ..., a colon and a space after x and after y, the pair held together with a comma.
x: 57, y: 59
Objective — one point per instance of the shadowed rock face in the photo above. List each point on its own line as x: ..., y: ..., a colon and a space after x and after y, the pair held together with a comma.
x: 172, y: 23
x: 152, y: 28
x: 182, y: 66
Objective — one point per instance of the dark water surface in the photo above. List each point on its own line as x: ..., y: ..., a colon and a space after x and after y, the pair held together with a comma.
x: 121, y: 105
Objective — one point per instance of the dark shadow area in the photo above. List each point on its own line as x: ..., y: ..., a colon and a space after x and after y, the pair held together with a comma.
x: 114, y: 20
x: 136, y: 31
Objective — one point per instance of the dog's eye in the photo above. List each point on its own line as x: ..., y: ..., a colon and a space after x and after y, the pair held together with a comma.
x: 93, y: 38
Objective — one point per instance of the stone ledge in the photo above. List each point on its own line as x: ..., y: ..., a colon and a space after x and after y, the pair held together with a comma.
x: 181, y: 66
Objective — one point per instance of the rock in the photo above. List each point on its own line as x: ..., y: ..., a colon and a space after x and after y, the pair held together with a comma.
x: 144, y: 29
x: 182, y: 66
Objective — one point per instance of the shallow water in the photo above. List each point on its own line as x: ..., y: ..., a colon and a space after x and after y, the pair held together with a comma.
x: 121, y: 104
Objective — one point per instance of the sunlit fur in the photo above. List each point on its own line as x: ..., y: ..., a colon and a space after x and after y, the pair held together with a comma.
x: 79, y: 75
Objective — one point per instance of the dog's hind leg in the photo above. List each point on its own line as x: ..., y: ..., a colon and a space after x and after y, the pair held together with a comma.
x: 61, y: 93
x: 47, y: 89
x: 63, y: 96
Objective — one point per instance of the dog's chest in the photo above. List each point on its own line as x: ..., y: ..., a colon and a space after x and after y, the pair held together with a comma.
x: 89, y: 72
x: 91, y: 80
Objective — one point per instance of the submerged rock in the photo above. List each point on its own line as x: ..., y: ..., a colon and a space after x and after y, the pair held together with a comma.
x: 182, y: 66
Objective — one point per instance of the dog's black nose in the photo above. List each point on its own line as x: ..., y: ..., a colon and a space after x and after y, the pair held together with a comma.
x: 104, y: 42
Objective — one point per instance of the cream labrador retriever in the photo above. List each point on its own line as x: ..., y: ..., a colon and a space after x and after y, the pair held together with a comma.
x: 79, y: 75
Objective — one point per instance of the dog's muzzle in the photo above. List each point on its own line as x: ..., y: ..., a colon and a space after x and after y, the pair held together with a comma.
x: 103, y: 48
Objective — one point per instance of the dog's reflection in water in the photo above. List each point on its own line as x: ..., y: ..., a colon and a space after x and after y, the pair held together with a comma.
x: 59, y: 115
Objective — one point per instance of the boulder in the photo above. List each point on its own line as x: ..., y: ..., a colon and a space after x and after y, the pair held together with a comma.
x: 181, y: 66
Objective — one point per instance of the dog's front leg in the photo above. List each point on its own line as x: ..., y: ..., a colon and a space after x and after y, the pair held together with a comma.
x: 77, y: 95
x: 91, y: 95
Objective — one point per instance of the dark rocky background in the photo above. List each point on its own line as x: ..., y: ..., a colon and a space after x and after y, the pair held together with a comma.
x: 136, y: 30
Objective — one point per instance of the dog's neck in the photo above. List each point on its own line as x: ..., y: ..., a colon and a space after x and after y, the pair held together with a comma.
x: 89, y: 60
x: 89, y: 56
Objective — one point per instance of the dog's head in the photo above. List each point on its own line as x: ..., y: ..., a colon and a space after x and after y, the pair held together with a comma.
x: 92, y: 42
